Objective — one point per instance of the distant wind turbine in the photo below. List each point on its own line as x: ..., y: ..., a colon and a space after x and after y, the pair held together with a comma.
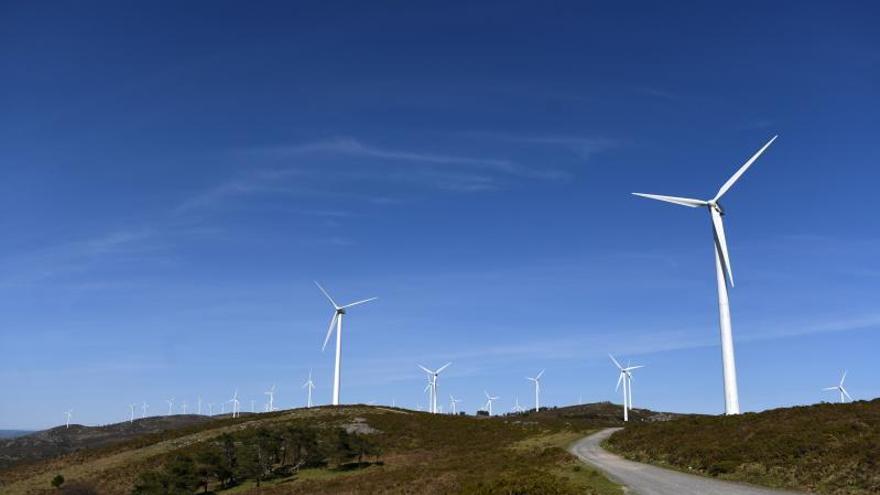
x: 625, y: 377
x: 338, y: 313
x: 537, y: 381
x: 69, y: 414
x: 309, y: 385
x: 144, y: 408
x: 131, y: 417
x: 724, y: 275
x: 432, y: 383
x: 183, y: 407
x: 235, y: 403
x: 170, y: 405
x: 453, y: 403
x: 517, y: 408
x: 271, y: 393
x: 490, y: 399
x: 210, y: 408
x: 843, y: 393
x: 200, y: 405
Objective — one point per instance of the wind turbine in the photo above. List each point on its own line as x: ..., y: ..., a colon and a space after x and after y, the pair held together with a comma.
x: 183, y: 407
x: 131, y: 417
x: 724, y: 275
x: 843, y: 393
x: 453, y: 402
x: 210, y: 408
x: 234, y: 401
x: 625, y: 377
x: 537, y: 381
x: 200, y: 405
x: 489, y: 400
x: 310, y: 385
x: 144, y: 408
x: 170, y: 405
x: 338, y: 313
x: 432, y: 383
x: 69, y: 414
x: 517, y: 408
x: 271, y: 393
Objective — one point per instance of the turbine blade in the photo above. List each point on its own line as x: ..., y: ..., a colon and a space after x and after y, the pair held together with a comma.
x: 360, y: 302
x: 842, y: 378
x: 426, y: 369
x: 327, y: 295
x: 689, y: 202
x: 633, y: 368
x: 615, y: 362
x: 540, y: 375
x: 721, y: 244
x: 830, y: 388
x: 846, y: 394
x: 730, y: 182
x: 619, y: 379
x: 329, y: 331
x: 443, y: 368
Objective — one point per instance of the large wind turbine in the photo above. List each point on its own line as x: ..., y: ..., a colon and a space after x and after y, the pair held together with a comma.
x: 338, y: 313
x: 843, y: 393
x: 489, y: 400
x: 69, y: 414
x: 625, y: 377
x: 131, y: 408
x: 235, y: 403
x: 310, y: 385
x: 537, y: 381
x: 724, y: 274
x: 432, y: 383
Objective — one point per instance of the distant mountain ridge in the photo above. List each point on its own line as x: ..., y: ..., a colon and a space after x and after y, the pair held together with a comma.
x: 14, y: 433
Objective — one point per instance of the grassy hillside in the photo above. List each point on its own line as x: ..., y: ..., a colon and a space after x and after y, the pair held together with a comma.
x: 354, y: 449
x: 33, y: 446
x: 825, y: 448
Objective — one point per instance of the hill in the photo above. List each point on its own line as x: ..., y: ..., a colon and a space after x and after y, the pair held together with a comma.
x: 825, y: 448
x: 351, y: 449
x: 13, y: 433
x: 61, y: 440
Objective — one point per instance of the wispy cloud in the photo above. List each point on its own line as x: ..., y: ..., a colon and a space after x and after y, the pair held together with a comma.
x: 584, y: 147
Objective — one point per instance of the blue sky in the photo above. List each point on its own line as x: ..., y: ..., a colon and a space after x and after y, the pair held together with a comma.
x: 175, y: 177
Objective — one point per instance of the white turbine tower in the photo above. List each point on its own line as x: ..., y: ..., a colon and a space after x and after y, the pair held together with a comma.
x: 489, y: 400
x: 210, y: 408
x: 183, y: 407
x: 338, y: 313
x: 453, y: 403
x: 69, y: 414
x: 271, y: 393
x: 537, y: 381
x: 200, y: 405
x: 724, y: 275
x: 843, y: 393
x: 432, y: 384
x: 144, y: 408
x: 235, y: 403
x: 625, y: 377
x: 170, y: 405
x: 309, y: 385
x: 131, y: 408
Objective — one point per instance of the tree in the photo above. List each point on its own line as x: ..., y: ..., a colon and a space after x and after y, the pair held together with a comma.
x: 57, y: 481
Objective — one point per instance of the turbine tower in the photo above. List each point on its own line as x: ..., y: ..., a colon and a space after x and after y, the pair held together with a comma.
x: 843, y: 393
x: 271, y: 393
x: 537, y: 381
x: 489, y: 400
x: 200, y: 405
x: 453, y: 403
x: 724, y: 275
x: 183, y: 407
x: 338, y: 313
x: 625, y: 377
x: 144, y: 408
x: 210, y: 408
x: 69, y: 414
x: 170, y: 405
x: 309, y: 385
x: 131, y: 408
x: 432, y: 384
x: 235, y: 403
